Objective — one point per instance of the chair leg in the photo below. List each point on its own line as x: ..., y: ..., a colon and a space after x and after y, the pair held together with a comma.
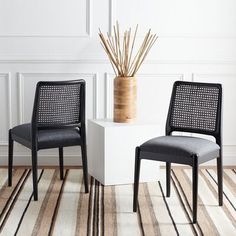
x: 35, y: 173
x: 10, y: 158
x: 85, y: 166
x: 168, y: 172
x: 136, y: 178
x: 61, y: 162
x: 220, y: 180
x: 195, y: 188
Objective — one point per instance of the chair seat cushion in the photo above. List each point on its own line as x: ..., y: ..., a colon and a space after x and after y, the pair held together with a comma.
x: 47, y: 138
x: 179, y: 149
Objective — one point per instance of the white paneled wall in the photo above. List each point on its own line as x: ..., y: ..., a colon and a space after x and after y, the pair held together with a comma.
x: 57, y: 40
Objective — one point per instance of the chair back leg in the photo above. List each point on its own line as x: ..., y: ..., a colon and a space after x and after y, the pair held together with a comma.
x: 35, y: 172
x: 10, y: 158
x: 220, y: 179
x: 61, y: 164
x: 136, y: 178
x: 195, y: 188
x: 168, y: 173
x: 85, y: 166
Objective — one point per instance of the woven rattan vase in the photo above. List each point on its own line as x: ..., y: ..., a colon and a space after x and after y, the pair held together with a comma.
x: 125, y: 97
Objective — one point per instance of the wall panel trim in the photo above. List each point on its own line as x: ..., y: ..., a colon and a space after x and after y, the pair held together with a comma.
x: 62, y: 59
x: 7, y: 77
x: 87, y: 33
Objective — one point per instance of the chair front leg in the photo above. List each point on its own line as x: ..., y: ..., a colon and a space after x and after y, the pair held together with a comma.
x: 136, y: 178
x: 10, y: 158
x: 85, y: 166
x: 168, y: 173
x: 220, y: 179
x: 195, y: 187
x: 61, y: 162
x: 35, y: 172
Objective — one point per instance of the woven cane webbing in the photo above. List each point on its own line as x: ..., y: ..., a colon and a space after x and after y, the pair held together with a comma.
x: 195, y: 107
x: 59, y: 105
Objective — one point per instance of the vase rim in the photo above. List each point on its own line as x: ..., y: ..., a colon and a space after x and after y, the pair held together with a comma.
x: 125, y: 77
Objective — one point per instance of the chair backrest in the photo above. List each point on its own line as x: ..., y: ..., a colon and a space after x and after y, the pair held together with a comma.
x: 59, y: 103
x: 195, y: 107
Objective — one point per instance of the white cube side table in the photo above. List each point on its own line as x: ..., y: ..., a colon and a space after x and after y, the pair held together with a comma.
x: 111, y: 151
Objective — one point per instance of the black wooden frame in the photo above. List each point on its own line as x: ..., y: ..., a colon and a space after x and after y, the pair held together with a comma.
x: 35, y: 127
x: 195, y: 163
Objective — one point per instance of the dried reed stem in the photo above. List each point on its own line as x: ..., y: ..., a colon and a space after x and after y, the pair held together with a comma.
x: 120, y: 50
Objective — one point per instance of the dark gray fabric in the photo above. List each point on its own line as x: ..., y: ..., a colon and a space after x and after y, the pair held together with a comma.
x: 179, y: 149
x: 50, y: 138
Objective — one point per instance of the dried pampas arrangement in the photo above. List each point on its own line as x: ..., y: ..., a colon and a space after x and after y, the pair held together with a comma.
x: 120, y: 50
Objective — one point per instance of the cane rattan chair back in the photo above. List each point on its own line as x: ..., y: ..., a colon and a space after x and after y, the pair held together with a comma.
x: 58, y: 104
x: 195, y: 107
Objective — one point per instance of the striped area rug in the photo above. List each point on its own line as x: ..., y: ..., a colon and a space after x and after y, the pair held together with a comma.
x: 64, y: 209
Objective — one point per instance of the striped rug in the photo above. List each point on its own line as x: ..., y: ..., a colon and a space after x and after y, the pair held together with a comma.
x: 64, y: 209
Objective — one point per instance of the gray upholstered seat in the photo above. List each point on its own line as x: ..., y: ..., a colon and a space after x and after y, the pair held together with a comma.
x: 180, y: 149
x: 47, y: 138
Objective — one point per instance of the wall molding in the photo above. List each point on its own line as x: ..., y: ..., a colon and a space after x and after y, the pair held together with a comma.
x: 43, y: 160
x: 7, y: 77
x: 65, y: 59
x: 87, y: 34
x: 23, y: 75
x: 113, y: 18
x: 203, y: 75
x: 109, y: 88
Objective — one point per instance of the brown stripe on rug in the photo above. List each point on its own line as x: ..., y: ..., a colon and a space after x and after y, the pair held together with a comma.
x: 6, y: 193
x: 82, y: 211
x: 184, y: 184
x: 32, y: 209
x: 48, y: 207
x: 101, y: 211
x: 110, y: 218
x: 91, y: 208
x: 96, y: 210
x: 9, y: 195
x: 147, y: 216
x: 20, y: 206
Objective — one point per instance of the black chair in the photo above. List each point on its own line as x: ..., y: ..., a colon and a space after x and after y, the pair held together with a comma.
x: 196, y: 108
x: 58, y: 121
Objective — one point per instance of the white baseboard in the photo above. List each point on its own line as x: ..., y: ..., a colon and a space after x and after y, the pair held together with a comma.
x: 73, y: 160
x: 43, y: 160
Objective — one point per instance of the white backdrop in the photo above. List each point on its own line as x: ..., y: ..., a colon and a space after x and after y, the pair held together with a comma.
x: 57, y: 40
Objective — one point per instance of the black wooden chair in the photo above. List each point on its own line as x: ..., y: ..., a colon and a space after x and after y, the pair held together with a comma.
x: 196, y: 108
x: 58, y: 121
